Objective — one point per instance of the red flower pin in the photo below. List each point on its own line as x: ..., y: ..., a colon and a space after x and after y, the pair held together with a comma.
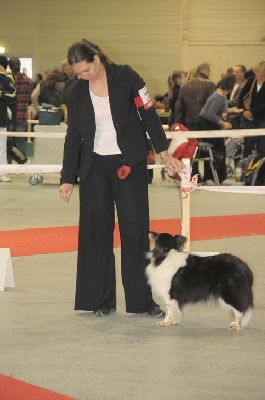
x: 124, y: 171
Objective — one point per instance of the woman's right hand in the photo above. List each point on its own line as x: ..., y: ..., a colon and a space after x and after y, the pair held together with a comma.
x: 65, y: 191
x: 227, y: 125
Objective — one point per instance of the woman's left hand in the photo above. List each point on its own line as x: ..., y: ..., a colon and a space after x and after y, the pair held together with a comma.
x: 248, y: 115
x: 173, y: 164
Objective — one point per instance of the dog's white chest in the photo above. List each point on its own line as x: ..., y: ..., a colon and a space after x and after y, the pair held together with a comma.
x: 159, y: 278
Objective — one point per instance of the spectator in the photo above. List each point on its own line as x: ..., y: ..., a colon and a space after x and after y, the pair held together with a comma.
x: 24, y: 89
x: 254, y: 118
x: 8, y: 96
x: 175, y: 83
x: 49, y: 91
x: 210, y: 118
x: 38, y: 79
x: 193, y: 96
x: 67, y: 70
x: 233, y: 98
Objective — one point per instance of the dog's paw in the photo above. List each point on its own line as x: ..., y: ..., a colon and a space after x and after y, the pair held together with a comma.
x: 234, y: 326
x: 175, y: 321
x: 165, y: 322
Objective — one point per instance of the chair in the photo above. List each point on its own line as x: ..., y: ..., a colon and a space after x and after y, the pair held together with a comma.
x: 207, y: 147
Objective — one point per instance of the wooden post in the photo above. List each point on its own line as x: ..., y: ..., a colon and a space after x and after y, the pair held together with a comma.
x: 185, y: 202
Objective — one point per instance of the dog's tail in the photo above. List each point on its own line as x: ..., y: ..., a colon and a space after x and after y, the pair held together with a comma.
x: 246, y: 317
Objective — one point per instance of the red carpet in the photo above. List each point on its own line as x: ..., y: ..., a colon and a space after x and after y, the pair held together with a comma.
x: 64, y: 239
x: 13, y: 389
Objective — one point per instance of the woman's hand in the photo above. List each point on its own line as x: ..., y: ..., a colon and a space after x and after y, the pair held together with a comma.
x: 65, y: 191
x: 248, y: 115
x: 172, y: 163
x: 227, y: 125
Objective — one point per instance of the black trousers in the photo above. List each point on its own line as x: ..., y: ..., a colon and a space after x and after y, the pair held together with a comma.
x: 254, y: 142
x: 99, y: 193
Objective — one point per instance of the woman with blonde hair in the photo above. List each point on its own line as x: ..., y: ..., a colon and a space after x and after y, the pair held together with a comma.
x: 254, y: 115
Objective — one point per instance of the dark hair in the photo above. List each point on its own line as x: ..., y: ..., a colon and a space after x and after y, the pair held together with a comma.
x: 85, y: 50
x: 243, y: 68
x: 39, y: 76
x: 15, y: 69
x: 228, y: 82
x: 14, y: 61
x: 3, y: 61
x: 52, y: 79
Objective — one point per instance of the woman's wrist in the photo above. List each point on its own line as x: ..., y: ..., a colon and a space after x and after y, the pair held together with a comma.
x: 163, y: 156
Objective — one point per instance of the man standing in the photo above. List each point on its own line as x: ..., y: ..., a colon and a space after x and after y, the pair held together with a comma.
x: 24, y: 87
x: 193, y: 96
x: 7, y: 97
x: 235, y: 118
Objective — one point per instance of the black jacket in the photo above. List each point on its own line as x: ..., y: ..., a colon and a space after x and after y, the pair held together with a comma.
x: 257, y: 107
x: 130, y: 122
x: 8, y: 97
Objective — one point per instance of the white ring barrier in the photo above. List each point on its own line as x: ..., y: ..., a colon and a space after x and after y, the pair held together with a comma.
x: 170, y: 135
x: 189, y: 184
x: 28, y: 168
x: 234, y: 189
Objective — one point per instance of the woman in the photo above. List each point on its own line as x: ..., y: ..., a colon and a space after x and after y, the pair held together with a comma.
x: 176, y: 81
x: 254, y: 118
x: 49, y: 90
x: 211, y: 118
x: 106, y: 130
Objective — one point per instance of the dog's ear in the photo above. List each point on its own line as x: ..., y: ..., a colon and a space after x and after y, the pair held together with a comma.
x: 179, y: 242
x: 152, y: 236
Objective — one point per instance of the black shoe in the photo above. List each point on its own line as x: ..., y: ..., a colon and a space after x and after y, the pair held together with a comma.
x: 155, y: 311
x: 102, y: 312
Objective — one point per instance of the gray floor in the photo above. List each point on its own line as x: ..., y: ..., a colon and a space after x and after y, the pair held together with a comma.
x: 44, y: 342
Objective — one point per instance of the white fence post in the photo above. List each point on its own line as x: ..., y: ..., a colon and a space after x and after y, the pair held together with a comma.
x: 6, y: 270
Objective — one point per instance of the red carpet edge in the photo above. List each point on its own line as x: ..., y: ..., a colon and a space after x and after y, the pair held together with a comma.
x: 14, y: 389
x: 27, y: 242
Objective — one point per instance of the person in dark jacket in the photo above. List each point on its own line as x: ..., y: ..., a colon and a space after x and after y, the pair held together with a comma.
x: 176, y: 81
x: 254, y: 118
x: 109, y: 111
x: 8, y: 96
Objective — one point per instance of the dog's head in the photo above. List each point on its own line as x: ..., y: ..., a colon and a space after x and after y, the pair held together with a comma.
x: 163, y: 243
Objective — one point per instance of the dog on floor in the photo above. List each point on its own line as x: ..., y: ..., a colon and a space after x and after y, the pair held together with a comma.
x: 183, y: 279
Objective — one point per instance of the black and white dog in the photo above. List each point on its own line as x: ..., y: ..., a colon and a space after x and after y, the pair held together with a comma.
x: 183, y: 279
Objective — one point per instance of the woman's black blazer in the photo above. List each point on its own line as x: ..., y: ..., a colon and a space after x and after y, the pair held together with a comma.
x: 131, y: 120
x: 257, y: 107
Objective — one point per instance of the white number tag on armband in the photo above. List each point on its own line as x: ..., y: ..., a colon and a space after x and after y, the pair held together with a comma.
x: 144, y: 99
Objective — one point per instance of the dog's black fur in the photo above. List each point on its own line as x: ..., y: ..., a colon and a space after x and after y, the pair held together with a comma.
x: 184, y: 278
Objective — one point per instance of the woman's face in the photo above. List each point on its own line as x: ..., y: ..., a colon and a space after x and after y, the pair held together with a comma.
x: 260, y: 76
x: 88, y: 71
x: 183, y: 79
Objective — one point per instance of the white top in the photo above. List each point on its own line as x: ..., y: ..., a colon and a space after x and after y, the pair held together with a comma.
x: 234, y: 90
x: 105, y: 137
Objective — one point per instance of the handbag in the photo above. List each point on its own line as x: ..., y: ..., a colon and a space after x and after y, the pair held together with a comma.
x: 247, y: 97
x: 50, y: 115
